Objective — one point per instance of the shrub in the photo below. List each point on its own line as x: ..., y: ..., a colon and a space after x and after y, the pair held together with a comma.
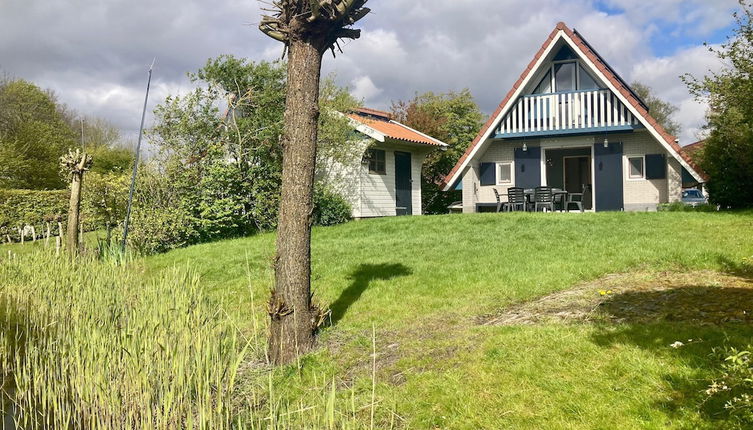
x: 683, y: 207
x: 734, y: 386
x: 19, y: 208
x: 330, y: 208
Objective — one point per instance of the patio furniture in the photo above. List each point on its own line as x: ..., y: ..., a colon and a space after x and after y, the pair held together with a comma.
x: 543, y: 197
x: 500, y: 203
x: 574, y: 199
x: 516, y: 199
x: 560, y: 197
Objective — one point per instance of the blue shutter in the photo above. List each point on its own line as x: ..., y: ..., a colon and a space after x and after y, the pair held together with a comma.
x: 656, y: 166
x: 528, y: 167
x: 488, y: 174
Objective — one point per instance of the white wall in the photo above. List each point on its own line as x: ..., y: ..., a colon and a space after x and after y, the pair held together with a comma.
x: 373, y: 195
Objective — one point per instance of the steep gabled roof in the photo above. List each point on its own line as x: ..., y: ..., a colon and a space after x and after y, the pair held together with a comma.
x: 379, y: 125
x: 599, y: 66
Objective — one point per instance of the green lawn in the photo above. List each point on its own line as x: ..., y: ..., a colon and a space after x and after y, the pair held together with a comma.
x: 415, y: 287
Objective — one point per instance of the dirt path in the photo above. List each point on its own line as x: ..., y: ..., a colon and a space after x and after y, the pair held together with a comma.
x: 704, y: 297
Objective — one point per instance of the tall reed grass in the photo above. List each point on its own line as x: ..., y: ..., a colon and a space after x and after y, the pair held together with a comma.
x: 93, y: 345
x: 90, y: 345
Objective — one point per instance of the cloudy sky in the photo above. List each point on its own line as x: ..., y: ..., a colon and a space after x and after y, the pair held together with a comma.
x: 94, y: 53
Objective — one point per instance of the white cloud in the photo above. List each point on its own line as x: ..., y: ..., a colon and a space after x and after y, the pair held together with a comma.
x: 94, y: 54
x: 663, y: 76
x: 364, y: 88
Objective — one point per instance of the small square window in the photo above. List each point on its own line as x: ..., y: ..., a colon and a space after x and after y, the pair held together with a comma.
x: 504, y: 173
x: 377, y: 162
x: 635, y: 166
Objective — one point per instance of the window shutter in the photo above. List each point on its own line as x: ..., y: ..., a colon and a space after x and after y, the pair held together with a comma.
x: 656, y: 166
x: 488, y: 174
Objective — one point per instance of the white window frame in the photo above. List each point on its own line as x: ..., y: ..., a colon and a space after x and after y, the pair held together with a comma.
x: 512, y: 172
x: 628, y: 176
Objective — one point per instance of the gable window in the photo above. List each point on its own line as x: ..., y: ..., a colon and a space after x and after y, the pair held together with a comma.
x: 636, y: 167
x: 545, y: 86
x: 504, y: 173
x: 566, y: 73
x: 585, y: 81
x: 564, y: 76
x: 377, y: 162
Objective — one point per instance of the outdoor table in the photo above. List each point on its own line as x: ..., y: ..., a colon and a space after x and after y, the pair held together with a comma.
x: 530, y: 192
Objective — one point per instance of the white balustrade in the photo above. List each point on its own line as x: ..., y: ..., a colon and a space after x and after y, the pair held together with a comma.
x: 576, y: 110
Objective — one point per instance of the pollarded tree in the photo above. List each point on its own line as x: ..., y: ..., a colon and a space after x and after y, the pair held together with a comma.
x: 308, y: 28
x: 75, y: 164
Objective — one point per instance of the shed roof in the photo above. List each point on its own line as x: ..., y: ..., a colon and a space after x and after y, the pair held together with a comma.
x: 384, y: 125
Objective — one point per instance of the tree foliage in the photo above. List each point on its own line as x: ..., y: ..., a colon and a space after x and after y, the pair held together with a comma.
x: 453, y: 118
x: 36, y: 130
x: 218, y: 163
x: 33, y: 136
x: 661, y: 110
x: 728, y: 153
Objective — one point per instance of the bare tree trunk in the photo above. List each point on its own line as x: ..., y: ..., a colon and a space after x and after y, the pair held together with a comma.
x: 292, y: 314
x: 74, y: 210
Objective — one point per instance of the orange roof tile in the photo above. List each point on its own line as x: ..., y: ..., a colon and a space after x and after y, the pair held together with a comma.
x: 393, y: 129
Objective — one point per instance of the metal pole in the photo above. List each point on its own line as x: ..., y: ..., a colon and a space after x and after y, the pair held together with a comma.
x: 136, y: 160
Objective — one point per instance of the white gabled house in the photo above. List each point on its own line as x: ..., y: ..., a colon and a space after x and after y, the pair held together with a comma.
x: 571, y: 122
x: 384, y: 179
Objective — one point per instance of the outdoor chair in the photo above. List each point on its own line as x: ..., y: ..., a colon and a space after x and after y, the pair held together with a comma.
x: 500, y: 203
x: 516, y: 199
x: 560, y: 199
x: 543, y: 198
x: 574, y: 199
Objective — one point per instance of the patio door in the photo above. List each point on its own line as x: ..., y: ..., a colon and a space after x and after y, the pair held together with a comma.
x: 403, y: 184
x: 577, y: 174
x: 608, y: 176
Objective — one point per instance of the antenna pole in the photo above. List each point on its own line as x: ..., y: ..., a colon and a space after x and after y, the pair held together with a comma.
x: 136, y: 161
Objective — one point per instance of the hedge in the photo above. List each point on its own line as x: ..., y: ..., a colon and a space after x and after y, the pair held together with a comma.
x: 19, y: 208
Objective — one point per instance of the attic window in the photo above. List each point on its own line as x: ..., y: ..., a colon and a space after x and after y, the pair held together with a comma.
x: 565, y: 53
x: 545, y: 86
x: 564, y: 76
x: 585, y: 81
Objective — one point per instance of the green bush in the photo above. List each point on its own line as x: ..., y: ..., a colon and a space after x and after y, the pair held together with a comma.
x: 19, y: 208
x: 683, y: 207
x: 330, y: 208
x: 733, y: 387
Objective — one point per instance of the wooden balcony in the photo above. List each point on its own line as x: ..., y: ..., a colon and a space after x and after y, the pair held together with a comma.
x: 576, y: 112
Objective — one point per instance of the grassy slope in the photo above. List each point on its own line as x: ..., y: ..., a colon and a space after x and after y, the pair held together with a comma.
x: 420, y: 282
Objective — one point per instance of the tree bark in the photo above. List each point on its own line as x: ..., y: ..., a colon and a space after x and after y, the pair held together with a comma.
x: 290, y: 308
x: 74, y: 210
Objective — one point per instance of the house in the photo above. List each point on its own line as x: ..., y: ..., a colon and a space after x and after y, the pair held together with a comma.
x: 572, y: 123
x: 384, y: 178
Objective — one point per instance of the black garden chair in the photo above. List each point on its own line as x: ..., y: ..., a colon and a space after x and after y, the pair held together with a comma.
x: 543, y: 197
x: 516, y: 199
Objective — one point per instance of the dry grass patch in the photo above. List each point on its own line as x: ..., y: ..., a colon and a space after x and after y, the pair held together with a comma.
x: 701, y: 297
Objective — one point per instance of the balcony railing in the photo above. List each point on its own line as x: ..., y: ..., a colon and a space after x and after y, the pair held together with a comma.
x: 563, y: 113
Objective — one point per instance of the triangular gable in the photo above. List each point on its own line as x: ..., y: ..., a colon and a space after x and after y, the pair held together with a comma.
x: 597, y: 66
